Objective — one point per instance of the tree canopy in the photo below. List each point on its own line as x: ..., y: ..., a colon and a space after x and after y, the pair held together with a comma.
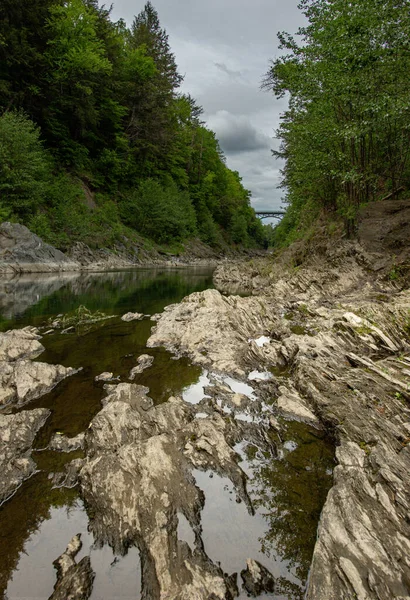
x: 345, y: 136
x: 97, y: 106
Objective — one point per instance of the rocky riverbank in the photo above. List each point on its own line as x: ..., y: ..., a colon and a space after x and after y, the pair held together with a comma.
x: 21, y: 251
x: 21, y: 380
x: 328, y: 339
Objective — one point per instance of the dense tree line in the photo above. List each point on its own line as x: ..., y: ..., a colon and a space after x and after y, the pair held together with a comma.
x: 91, y: 106
x: 346, y: 134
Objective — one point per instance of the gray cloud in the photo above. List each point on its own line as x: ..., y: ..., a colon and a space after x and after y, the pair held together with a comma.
x: 223, y: 48
x: 236, y: 133
x: 230, y: 72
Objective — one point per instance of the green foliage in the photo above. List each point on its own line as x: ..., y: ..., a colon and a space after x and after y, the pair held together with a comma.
x: 345, y: 135
x: 161, y: 213
x: 102, y: 100
x: 239, y: 230
x: 25, y: 166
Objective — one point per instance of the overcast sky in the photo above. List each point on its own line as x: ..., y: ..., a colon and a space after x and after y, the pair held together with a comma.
x: 223, y: 48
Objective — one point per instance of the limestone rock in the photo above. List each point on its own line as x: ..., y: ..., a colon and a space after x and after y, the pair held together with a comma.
x: 20, y: 343
x: 342, y: 360
x: 136, y: 480
x: 132, y: 317
x: 17, y: 433
x: 144, y: 362
x: 24, y: 252
x: 24, y: 380
x: 106, y: 376
x: 62, y: 443
x: 257, y: 579
x: 74, y: 580
x: 212, y: 330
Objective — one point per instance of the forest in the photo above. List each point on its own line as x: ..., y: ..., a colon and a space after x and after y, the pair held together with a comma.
x: 345, y: 138
x: 96, y: 142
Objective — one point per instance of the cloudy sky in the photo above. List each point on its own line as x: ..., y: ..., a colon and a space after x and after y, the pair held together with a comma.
x: 223, y: 48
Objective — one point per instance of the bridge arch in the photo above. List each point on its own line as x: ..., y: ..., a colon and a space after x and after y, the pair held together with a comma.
x: 269, y: 214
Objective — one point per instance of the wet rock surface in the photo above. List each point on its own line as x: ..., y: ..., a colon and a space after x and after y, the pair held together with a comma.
x: 62, y: 443
x: 257, y: 579
x: 137, y: 477
x: 74, y: 580
x: 339, y: 354
x: 130, y: 316
x: 144, y: 362
x: 17, y: 433
x: 22, y: 379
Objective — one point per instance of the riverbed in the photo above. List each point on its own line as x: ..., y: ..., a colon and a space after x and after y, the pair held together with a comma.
x: 287, y: 487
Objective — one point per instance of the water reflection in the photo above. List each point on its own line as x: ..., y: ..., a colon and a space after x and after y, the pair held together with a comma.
x: 36, y: 524
x: 290, y: 492
x: 31, y: 299
x: 109, y: 346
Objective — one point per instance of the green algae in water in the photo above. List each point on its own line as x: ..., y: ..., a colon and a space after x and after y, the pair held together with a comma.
x: 81, y: 320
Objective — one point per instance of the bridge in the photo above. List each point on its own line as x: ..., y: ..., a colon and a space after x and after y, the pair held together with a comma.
x: 270, y: 214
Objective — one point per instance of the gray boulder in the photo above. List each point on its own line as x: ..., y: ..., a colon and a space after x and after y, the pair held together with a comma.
x: 21, y: 251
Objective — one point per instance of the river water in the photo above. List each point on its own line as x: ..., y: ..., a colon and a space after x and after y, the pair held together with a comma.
x: 36, y: 524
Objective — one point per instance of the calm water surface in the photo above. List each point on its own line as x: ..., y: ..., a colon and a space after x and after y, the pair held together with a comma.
x: 38, y: 521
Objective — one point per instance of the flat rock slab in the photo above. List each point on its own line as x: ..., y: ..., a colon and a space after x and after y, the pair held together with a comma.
x: 24, y: 380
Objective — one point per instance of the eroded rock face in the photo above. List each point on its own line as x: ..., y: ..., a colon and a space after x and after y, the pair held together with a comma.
x: 74, y: 580
x: 24, y: 380
x: 257, y: 579
x: 213, y: 330
x: 17, y: 433
x: 340, y: 357
x: 24, y: 252
x: 138, y: 476
x: 102, y: 258
x: 21, y: 379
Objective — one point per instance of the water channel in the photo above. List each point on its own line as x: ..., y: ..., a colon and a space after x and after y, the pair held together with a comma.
x: 287, y: 491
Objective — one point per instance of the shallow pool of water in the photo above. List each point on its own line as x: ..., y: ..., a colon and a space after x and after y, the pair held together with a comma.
x: 38, y: 521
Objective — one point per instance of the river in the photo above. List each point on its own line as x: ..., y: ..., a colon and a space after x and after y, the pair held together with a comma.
x: 287, y: 490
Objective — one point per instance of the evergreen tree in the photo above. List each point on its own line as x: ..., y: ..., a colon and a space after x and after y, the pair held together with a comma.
x: 152, y: 125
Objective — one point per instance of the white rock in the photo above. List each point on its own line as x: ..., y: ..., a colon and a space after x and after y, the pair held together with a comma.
x: 132, y: 317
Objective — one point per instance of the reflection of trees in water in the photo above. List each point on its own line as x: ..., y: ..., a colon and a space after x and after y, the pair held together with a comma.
x: 113, y: 346
x: 23, y: 514
x: 143, y: 290
x: 290, y: 493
